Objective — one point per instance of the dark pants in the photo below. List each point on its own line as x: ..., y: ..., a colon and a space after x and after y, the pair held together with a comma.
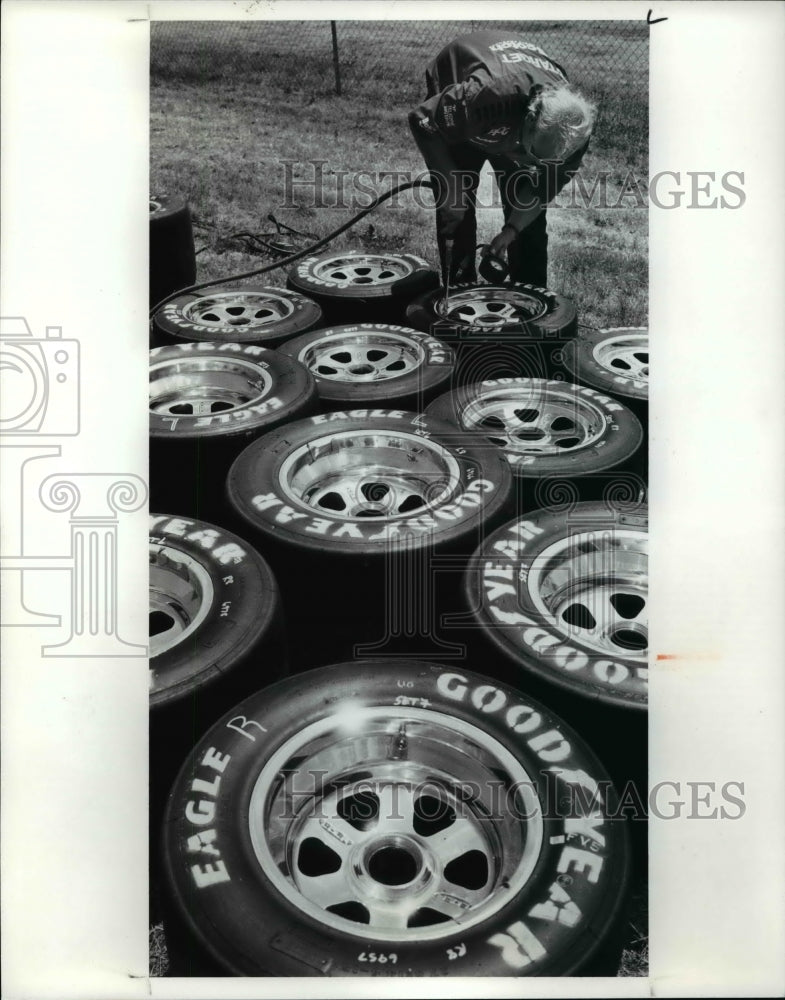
x: 527, y: 255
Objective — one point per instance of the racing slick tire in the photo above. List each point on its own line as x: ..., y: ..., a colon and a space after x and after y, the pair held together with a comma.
x: 555, y: 435
x: 207, y: 401
x: 374, y: 363
x: 506, y: 329
x: 615, y: 360
x: 347, y: 822
x: 355, y: 508
x: 216, y: 635
x: 251, y: 314
x: 172, y: 253
x: 352, y: 285
x: 558, y: 602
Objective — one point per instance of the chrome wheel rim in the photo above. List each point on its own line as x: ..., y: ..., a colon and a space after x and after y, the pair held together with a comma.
x: 593, y: 588
x: 625, y: 354
x: 181, y: 595
x: 194, y: 386
x: 535, y: 418
x: 490, y: 308
x: 370, y: 474
x: 362, y: 357
x: 388, y: 822
x: 368, y: 269
x: 239, y: 309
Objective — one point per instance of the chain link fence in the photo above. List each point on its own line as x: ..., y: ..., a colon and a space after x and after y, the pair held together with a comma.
x: 347, y: 57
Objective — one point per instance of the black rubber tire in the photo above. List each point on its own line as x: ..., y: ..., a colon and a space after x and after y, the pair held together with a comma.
x: 523, y: 350
x: 172, y: 252
x: 559, y: 320
x: 510, y: 620
x: 580, y: 360
x: 190, y: 455
x: 280, y: 314
x: 620, y: 434
x: 236, y: 916
x: 255, y: 476
x: 244, y: 611
x: 238, y: 647
x: 410, y: 391
x: 340, y: 575
x: 383, y: 301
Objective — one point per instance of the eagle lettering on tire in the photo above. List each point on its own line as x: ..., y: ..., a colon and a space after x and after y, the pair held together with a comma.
x: 207, y: 401
x: 335, y: 825
x: 216, y: 634
x: 353, y: 481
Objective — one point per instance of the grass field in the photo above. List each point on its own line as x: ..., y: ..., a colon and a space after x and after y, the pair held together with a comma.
x: 231, y: 102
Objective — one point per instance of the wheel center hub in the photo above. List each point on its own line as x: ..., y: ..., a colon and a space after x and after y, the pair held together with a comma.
x: 490, y: 307
x: 363, y: 357
x: 370, y: 474
x: 393, y: 866
x: 533, y: 417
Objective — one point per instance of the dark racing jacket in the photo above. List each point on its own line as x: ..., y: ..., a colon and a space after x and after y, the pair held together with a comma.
x: 479, y: 87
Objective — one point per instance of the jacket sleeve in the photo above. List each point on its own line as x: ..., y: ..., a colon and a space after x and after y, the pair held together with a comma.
x: 446, y: 114
x: 444, y: 172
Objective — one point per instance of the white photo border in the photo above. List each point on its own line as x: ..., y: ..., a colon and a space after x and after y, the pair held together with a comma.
x: 74, y: 246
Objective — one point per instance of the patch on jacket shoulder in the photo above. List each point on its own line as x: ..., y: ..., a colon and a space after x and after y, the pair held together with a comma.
x: 427, y: 125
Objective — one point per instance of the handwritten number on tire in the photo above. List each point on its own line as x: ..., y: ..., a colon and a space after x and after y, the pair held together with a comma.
x: 381, y: 958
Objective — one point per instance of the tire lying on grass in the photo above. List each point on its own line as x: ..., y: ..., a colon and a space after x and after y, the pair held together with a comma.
x: 397, y: 858
x: 252, y: 314
x: 207, y: 401
x: 213, y: 602
x: 373, y: 363
x: 352, y: 284
x: 577, y: 616
x: 216, y: 635
x: 352, y: 506
x: 615, y: 360
x: 547, y: 428
x: 560, y: 605
x: 172, y: 253
x: 505, y: 329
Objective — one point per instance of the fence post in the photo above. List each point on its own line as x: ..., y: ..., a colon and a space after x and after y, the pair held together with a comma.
x: 336, y: 62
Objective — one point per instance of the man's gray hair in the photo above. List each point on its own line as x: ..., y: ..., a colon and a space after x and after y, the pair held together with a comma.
x: 565, y: 112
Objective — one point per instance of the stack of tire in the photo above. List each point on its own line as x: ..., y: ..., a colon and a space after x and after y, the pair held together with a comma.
x: 398, y: 628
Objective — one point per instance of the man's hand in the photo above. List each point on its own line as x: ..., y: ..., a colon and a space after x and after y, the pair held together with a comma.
x: 499, y: 244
